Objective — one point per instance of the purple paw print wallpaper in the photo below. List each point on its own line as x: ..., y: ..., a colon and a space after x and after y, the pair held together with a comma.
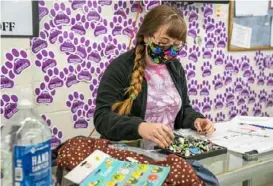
x: 78, y: 39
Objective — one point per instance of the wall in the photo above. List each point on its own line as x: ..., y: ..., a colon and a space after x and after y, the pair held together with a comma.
x: 78, y: 40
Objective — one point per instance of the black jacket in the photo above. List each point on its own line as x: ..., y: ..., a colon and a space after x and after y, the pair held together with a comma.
x: 116, y: 79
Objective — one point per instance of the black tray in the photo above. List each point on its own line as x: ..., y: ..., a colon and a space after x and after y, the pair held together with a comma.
x: 215, y: 152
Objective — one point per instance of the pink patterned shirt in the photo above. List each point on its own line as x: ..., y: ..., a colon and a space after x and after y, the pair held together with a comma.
x: 163, y: 99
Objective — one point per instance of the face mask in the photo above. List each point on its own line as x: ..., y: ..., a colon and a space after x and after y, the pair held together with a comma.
x: 159, y: 54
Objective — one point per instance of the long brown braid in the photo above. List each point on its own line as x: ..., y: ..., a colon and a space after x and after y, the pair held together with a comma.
x: 158, y: 16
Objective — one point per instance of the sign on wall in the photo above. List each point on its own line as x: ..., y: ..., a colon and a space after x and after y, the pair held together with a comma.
x: 19, y: 18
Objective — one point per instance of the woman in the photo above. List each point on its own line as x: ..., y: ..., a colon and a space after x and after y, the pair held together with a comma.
x: 143, y: 92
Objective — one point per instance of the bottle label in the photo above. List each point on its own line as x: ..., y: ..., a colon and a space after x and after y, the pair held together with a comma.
x: 32, y: 165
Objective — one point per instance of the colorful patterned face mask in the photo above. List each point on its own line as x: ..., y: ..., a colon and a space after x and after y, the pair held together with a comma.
x: 159, y: 54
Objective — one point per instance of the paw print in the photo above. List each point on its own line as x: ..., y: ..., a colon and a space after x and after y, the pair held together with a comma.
x: 75, y: 101
x: 92, y: 11
x: 257, y: 109
x: 265, y: 114
x: 77, y: 4
x: 190, y: 71
x: 196, y: 105
x: 227, y: 77
x: 244, y: 110
x: 252, y: 97
x: 192, y: 13
x: 7, y: 76
x: 75, y: 59
x: 259, y: 58
x: 54, y: 78
x: 192, y: 88
x: 268, y: 63
x: 209, y: 24
x: 220, y: 117
x: 90, y: 108
x: 210, y: 41
x: 207, y: 53
x: 79, y: 24
x: 108, y: 46
x: 70, y: 76
x: 217, y: 82
x: 207, y: 9
x: 52, y: 31
x: 8, y: 105
x: 80, y: 119
x: 261, y: 79
x: 206, y: 69
x: 45, y: 60
x: 229, y: 95
x: 39, y: 43
x: 208, y: 116
x: 240, y: 99
x: 83, y: 72
x: 128, y: 29
x: 99, y: 27
x: 149, y: 4
x: 94, y: 88
x: 245, y: 63
x: 43, y: 95
x: 105, y: 2
x: 236, y: 66
x: 248, y: 72
x: 121, y: 9
x: 47, y: 121
x: 245, y: 91
x: 262, y: 96
x: 269, y: 79
x: 43, y: 11
x: 205, y: 88
x: 81, y: 48
x: 94, y: 53
x: 57, y: 137
x: 222, y: 40
x: 121, y: 48
x: 18, y: 60
x: 67, y: 42
x: 60, y: 14
x: 220, y: 28
x: 238, y: 84
x: 219, y: 101
x: 194, y: 54
x: 116, y: 25
x: 193, y: 29
x: 219, y: 57
x: 183, y: 52
x: 233, y: 112
x: 206, y: 105
x: 269, y: 101
x: 229, y: 63
x: 135, y: 7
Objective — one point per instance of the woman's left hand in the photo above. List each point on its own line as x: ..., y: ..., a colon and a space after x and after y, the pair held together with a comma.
x: 204, y: 126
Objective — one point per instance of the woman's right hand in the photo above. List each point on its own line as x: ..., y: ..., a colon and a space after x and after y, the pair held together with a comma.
x: 156, y: 132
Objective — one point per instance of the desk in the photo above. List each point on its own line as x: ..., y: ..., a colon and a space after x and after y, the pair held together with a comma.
x: 231, y: 168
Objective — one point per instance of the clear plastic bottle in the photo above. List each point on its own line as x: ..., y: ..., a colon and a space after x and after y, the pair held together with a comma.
x: 25, y: 147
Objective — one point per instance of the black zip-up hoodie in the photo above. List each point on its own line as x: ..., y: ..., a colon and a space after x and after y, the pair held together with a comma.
x: 116, y: 79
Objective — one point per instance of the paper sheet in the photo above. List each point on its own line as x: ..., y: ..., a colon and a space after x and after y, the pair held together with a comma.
x: 251, y: 8
x: 241, y: 36
x: 272, y: 29
x: 248, y: 140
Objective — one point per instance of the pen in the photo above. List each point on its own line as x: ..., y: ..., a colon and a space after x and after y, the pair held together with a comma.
x: 259, y: 126
x: 251, y: 134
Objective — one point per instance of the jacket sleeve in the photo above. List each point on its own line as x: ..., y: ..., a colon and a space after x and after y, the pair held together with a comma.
x: 189, y: 114
x: 111, y: 89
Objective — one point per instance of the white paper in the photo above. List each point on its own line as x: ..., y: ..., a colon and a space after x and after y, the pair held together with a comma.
x: 272, y: 28
x: 247, y: 140
x: 80, y: 172
x: 241, y: 36
x: 251, y: 8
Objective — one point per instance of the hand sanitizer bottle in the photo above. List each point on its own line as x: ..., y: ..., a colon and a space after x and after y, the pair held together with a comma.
x: 25, y: 151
